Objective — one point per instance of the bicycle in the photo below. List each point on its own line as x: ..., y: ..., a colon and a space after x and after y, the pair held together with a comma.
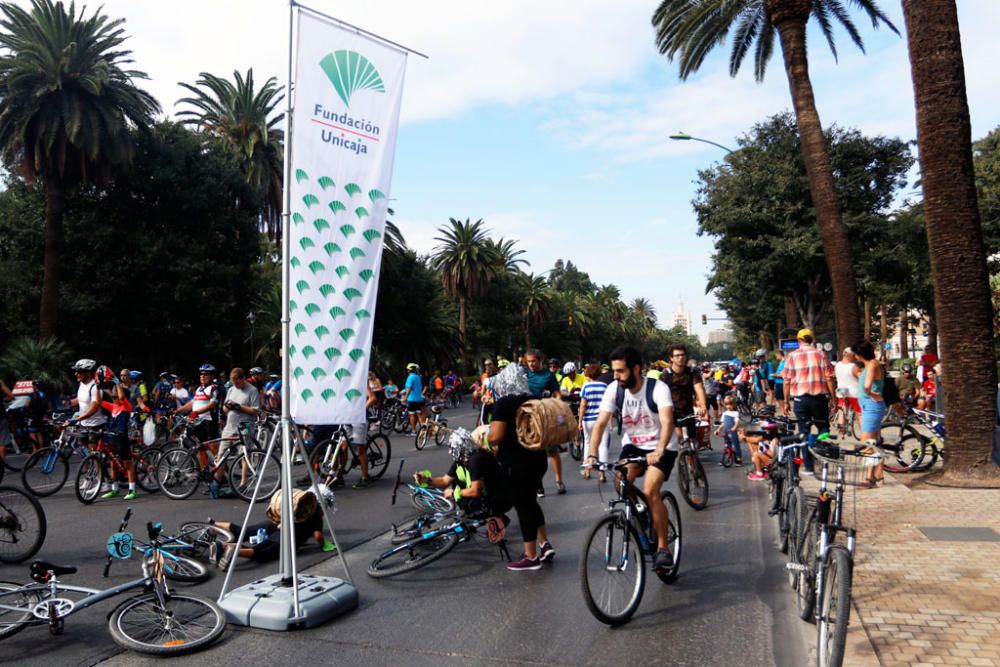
x: 844, y: 417
x: 436, y: 426
x: 394, y: 416
x: 180, y: 471
x: 47, y: 469
x: 825, y: 566
x: 102, y: 464
x: 158, y: 622
x: 336, y: 456
x: 426, y: 499
x: 613, y: 563
x: 692, y: 481
x: 176, y: 564
x: 22, y: 525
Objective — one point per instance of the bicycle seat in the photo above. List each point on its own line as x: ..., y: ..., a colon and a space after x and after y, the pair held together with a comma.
x: 437, y: 409
x: 41, y: 568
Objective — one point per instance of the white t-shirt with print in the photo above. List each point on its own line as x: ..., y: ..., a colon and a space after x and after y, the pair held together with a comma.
x: 86, y: 395
x: 640, y: 426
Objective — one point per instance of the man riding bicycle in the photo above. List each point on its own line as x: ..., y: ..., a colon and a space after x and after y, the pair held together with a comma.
x: 648, y: 432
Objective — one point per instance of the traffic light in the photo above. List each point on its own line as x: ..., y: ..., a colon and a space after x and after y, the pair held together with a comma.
x: 570, y: 319
x: 704, y: 319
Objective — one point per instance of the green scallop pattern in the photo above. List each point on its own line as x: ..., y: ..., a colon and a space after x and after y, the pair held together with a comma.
x: 350, y: 219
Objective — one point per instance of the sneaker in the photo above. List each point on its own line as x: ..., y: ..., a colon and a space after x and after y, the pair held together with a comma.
x: 524, y: 564
x: 113, y: 493
x: 227, y: 556
x: 756, y: 476
x: 361, y: 483
x: 546, y: 553
x: 130, y: 495
x: 541, y: 492
x: 213, y: 551
x: 807, y: 473
x: 663, y: 560
x: 560, y: 488
x: 739, y: 462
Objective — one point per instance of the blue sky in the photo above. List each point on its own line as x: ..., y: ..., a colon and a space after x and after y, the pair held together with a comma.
x: 551, y: 120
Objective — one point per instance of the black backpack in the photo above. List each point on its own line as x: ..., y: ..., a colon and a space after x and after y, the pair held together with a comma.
x: 620, y: 400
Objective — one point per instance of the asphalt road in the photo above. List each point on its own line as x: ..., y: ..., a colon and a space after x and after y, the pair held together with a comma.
x: 730, y: 605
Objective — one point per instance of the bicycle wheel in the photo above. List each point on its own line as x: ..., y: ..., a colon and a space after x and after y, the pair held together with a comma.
x: 145, y: 469
x: 327, y: 463
x: 421, y: 438
x: 693, y: 483
x: 180, y: 624
x: 673, y: 537
x: 200, y: 535
x: 245, y: 470
x: 386, y: 420
x: 379, y: 454
x: 908, y: 455
x: 891, y: 431
x: 727, y: 457
x: 805, y: 587
x: 178, y: 473
x: 22, y: 525
x: 412, y: 555
x: 414, y: 529
x: 430, y: 503
x: 89, y: 479
x: 182, y: 568
x: 402, y: 421
x: 442, y: 433
x: 15, y: 608
x: 612, y: 570
x: 835, y: 607
x: 795, y: 519
x: 45, y: 472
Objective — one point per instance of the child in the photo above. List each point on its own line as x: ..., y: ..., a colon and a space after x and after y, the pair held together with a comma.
x: 730, y: 422
x: 767, y: 449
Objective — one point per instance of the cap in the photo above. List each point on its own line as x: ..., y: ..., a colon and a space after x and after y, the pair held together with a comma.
x: 804, y: 332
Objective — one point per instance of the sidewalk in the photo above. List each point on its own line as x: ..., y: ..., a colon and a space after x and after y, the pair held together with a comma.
x: 922, y: 601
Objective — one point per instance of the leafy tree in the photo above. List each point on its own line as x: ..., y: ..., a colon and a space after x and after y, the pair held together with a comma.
x: 67, y: 107
x: 245, y: 119
x: 535, y: 303
x: 28, y: 359
x: 690, y: 29
x: 466, y: 261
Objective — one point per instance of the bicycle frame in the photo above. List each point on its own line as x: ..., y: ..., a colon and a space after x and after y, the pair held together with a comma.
x: 829, y: 515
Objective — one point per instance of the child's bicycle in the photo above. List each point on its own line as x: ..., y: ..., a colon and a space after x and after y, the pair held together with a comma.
x: 157, y: 621
x: 426, y: 499
x: 613, y: 562
x: 180, y: 550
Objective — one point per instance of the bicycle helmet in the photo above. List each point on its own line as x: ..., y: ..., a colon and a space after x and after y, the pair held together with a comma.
x: 553, y: 362
x: 135, y: 375
x: 569, y: 368
x: 208, y: 368
x: 412, y: 367
x: 907, y: 368
x: 104, y: 374
x: 461, y: 445
x: 760, y: 353
x: 502, y: 363
x: 256, y: 370
x: 165, y: 376
x: 85, y: 366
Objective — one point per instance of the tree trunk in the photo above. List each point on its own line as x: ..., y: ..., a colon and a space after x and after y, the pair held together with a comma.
x: 461, y: 320
x: 867, y: 331
x: 932, y: 333
x: 49, y: 312
x: 962, y: 305
x: 904, y: 334
x: 790, y: 17
x: 791, y: 317
x: 883, y: 329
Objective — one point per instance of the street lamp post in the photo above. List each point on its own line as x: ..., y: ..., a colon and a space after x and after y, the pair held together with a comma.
x: 252, y: 319
x: 684, y: 136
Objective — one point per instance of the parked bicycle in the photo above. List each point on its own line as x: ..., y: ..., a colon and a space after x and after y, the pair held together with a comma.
x: 103, y: 464
x: 158, y: 622
x: 47, y: 469
x: 613, y: 562
x: 825, y: 566
x: 22, y: 525
x: 436, y: 427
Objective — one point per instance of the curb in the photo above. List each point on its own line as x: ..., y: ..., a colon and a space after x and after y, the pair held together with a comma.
x: 859, y: 649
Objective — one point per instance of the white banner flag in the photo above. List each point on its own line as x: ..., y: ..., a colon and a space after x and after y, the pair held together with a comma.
x: 347, y: 95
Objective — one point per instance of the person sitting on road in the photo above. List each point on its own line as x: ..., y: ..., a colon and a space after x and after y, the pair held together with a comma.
x: 474, y: 478
x: 308, y: 523
x: 764, y: 448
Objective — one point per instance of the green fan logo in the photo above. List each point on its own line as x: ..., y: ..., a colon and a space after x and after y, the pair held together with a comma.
x: 349, y: 72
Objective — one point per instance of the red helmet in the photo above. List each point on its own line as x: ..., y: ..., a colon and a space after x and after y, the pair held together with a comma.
x: 104, y: 374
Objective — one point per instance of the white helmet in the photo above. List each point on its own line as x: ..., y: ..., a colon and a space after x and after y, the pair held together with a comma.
x: 569, y: 368
x: 761, y: 353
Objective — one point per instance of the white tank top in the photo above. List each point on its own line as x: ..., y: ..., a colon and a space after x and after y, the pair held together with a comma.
x: 846, y: 379
x: 86, y: 395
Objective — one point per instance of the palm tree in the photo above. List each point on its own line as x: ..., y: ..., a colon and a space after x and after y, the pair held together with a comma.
x: 954, y: 236
x: 690, y: 29
x: 536, y: 303
x: 645, y: 310
x: 467, y: 262
x: 245, y: 118
x: 68, y: 105
x: 508, y: 259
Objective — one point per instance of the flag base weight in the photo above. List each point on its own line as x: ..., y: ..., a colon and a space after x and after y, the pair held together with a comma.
x: 266, y: 604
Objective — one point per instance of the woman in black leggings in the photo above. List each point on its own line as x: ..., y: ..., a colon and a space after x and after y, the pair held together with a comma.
x: 522, y: 468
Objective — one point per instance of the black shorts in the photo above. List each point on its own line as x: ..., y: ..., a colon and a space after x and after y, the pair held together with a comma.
x: 122, y: 446
x: 413, y: 407
x: 205, y: 430
x: 665, y: 465
x: 712, y: 401
x: 779, y: 391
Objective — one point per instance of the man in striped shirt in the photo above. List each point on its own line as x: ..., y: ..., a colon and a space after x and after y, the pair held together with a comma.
x: 809, y: 386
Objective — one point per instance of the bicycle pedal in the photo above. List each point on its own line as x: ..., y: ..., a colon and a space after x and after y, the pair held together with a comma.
x: 796, y: 567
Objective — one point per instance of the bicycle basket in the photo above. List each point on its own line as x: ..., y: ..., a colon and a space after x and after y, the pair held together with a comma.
x: 853, y: 466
